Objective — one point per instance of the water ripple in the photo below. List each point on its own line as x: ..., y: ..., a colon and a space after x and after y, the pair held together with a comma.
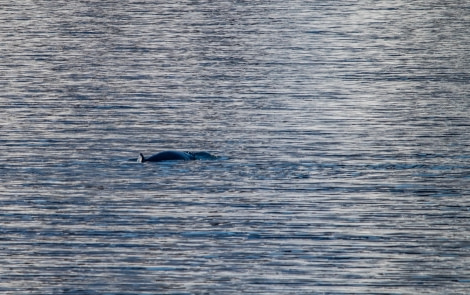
x: 341, y: 127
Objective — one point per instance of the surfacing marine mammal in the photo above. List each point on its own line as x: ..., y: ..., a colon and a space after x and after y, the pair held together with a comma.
x: 176, y: 156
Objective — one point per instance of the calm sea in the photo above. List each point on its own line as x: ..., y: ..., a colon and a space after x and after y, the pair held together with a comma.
x: 343, y: 129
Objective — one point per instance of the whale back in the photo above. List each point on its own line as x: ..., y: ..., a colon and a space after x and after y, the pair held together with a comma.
x: 168, y: 156
x: 176, y: 155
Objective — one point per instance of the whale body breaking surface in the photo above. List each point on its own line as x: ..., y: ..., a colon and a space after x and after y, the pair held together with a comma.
x: 176, y: 156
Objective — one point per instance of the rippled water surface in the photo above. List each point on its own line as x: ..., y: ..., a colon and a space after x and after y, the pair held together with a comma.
x: 342, y: 127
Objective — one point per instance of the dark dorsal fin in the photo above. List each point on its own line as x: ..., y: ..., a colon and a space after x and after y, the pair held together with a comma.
x: 141, y: 158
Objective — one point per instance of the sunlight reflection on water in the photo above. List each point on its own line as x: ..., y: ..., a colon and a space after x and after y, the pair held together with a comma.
x: 341, y: 127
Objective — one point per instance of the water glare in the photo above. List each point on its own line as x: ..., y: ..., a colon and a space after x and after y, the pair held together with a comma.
x: 341, y: 127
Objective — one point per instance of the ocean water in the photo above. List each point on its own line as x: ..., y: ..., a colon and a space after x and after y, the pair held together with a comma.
x: 342, y: 129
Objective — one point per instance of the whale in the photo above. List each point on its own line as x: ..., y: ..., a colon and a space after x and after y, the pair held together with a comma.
x: 176, y: 156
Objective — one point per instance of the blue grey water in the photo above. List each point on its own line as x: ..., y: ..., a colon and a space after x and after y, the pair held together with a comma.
x: 342, y: 126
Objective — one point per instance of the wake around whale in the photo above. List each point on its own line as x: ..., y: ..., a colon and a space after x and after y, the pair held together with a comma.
x: 176, y: 156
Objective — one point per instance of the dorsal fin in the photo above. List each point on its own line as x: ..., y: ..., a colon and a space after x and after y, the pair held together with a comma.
x: 141, y: 158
